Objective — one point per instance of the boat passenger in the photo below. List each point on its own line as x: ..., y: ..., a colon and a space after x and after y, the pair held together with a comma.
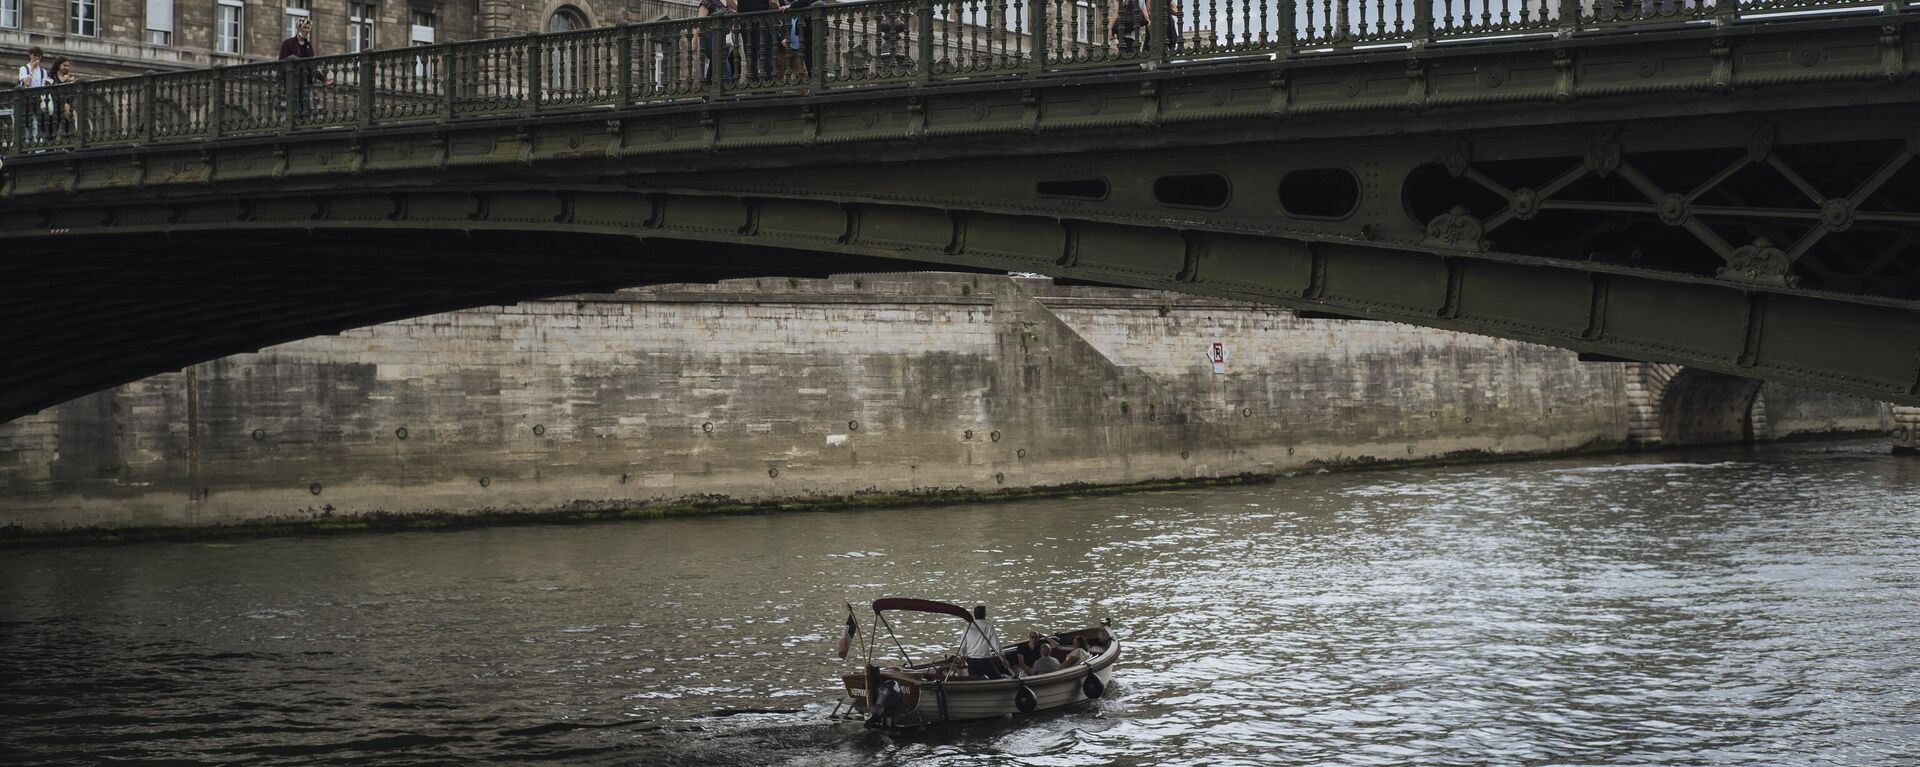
x: 1080, y: 653
x: 982, y: 647
x: 1030, y: 651
x: 1046, y: 663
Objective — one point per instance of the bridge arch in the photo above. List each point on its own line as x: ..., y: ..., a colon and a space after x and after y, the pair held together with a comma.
x: 1672, y: 405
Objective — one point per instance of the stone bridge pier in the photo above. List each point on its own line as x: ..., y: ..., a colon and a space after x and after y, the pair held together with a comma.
x: 1673, y: 405
x: 1906, y: 430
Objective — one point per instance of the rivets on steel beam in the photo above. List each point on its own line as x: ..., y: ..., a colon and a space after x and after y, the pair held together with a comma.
x: 1524, y: 204
x: 774, y: 472
x: 853, y: 426
x: 400, y: 433
x: 484, y: 482
x: 314, y: 488
x: 539, y: 430
x: 1021, y: 453
x: 1837, y: 214
x: 1246, y: 412
x: 967, y: 435
x: 707, y: 427
x: 1184, y: 455
x: 995, y: 435
x: 999, y: 478
x: 259, y: 434
x: 1673, y: 209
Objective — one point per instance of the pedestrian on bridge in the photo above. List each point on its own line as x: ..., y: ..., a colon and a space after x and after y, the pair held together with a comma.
x: 34, y: 75
x: 760, y: 38
x: 301, y: 77
x: 710, y: 8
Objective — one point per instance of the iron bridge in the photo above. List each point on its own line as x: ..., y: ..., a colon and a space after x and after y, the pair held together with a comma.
x: 1727, y: 186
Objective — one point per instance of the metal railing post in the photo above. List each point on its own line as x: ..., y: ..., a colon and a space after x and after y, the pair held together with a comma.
x: 923, y: 28
x: 817, y: 48
x: 18, y: 139
x: 1288, y: 34
x: 1423, y: 20
x: 1726, y: 13
x: 288, y: 69
x: 533, y: 74
x: 79, y: 115
x: 1159, y: 31
x: 216, y: 102
x: 719, y: 61
x: 1037, y: 34
x: 1570, y: 11
x: 446, y: 83
x: 623, y: 58
x: 146, y: 108
x: 366, y: 90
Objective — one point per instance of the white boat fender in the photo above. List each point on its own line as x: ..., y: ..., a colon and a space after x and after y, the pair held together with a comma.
x: 1093, y: 687
x: 1024, y: 700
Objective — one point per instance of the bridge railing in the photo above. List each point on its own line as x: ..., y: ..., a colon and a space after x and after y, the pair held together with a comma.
x: 862, y: 43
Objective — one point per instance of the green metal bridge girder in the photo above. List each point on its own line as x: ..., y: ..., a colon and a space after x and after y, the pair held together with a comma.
x: 1737, y: 199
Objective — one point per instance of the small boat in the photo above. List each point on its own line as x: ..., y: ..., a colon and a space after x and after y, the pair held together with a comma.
x: 915, y: 694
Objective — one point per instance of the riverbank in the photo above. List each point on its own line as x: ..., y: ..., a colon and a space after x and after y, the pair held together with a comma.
x: 787, y: 394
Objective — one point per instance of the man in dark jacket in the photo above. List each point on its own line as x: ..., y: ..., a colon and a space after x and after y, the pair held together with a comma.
x: 300, y: 77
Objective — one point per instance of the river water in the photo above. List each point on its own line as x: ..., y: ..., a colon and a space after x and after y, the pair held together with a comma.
x: 1738, y: 607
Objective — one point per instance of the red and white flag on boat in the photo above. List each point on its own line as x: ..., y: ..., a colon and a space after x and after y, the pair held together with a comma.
x: 846, y: 639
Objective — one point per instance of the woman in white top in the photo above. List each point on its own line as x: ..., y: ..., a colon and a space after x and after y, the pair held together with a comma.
x: 33, y: 75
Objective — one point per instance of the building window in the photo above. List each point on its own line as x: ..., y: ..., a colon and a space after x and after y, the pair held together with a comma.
x: 422, y: 32
x: 360, y: 26
x: 566, y: 19
x: 424, y: 66
x: 226, y: 27
x: 159, y: 22
x: 297, y: 11
x: 83, y: 18
x: 10, y: 13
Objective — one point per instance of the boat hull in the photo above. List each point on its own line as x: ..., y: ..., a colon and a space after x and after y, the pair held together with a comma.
x: 922, y: 699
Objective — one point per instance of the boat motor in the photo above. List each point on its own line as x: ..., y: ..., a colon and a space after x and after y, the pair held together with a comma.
x: 887, y: 705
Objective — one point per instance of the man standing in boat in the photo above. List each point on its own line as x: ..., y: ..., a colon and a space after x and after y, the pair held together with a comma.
x: 981, y: 644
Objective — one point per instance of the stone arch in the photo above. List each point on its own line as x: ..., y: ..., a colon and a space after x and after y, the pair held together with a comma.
x: 566, y: 17
x: 1705, y: 408
x: 1672, y: 405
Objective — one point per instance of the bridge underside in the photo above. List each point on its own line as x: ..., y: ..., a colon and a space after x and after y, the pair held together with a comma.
x: 1776, y: 243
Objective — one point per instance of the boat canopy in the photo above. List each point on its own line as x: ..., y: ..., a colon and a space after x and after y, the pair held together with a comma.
x: 921, y: 606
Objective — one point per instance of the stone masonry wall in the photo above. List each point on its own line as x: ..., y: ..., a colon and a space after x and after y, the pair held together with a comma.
x: 784, y: 390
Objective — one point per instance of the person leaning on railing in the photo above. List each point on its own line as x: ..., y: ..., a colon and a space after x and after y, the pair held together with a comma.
x: 64, y: 118
x: 301, y: 77
x: 760, y: 39
x: 1128, y: 24
x: 714, y: 8
x: 33, y: 75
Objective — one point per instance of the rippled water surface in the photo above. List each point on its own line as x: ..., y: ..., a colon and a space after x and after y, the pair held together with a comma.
x: 1747, y: 607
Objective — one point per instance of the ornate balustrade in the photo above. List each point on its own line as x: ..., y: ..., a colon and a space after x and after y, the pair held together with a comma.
x: 819, y: 50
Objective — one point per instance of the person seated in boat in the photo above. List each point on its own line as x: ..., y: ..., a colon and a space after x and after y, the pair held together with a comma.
x: 1046, y: 663
x: 1030, y: 651
x: 1080, y: 653
x: 981, y: 646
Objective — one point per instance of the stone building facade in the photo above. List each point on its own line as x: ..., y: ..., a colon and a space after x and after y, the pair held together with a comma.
x: 111, y: 38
